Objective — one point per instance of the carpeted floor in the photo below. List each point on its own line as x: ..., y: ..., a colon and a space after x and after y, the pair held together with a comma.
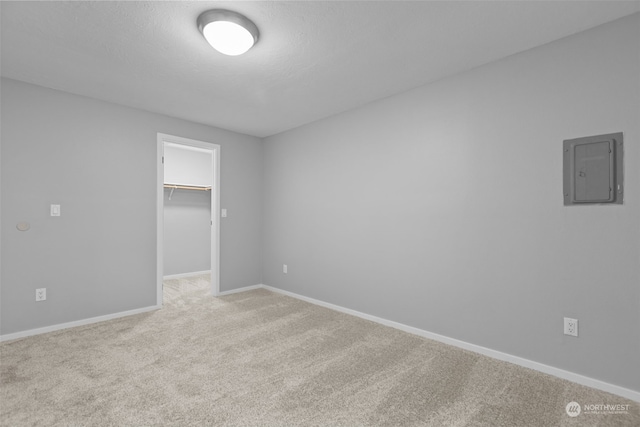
x: 259, y: 358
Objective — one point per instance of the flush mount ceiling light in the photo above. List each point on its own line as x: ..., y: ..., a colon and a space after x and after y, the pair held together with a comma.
x: 228, y: 32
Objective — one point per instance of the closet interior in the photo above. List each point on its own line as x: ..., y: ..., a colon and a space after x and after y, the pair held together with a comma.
x: 188, y: 181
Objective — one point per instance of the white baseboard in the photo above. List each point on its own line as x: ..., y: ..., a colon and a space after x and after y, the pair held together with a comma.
x: 183, y: 275
x: 557, y: 372
x: 52, y: 328
x: 244, y: 289
x: 536, y: 366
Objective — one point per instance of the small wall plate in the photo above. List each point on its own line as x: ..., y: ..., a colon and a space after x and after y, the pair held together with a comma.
x: 23, y: 226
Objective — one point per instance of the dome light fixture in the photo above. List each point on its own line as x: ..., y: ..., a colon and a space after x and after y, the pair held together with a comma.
x: 228, y: 32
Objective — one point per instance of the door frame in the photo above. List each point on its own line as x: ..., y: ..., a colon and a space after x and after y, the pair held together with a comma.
x: 215, y: 209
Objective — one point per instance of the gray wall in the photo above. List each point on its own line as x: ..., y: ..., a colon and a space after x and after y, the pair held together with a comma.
x: 98, y: 160
x: 441, y: 208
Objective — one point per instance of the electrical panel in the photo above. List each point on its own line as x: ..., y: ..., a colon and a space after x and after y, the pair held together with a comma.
x: 593, y: 170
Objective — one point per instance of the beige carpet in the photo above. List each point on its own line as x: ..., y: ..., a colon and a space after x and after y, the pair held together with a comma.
x: 262, y: 359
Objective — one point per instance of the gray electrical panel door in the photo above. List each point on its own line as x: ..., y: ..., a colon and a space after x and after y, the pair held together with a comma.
x: 593, y: 169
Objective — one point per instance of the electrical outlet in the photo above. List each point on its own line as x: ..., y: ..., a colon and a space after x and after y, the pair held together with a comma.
x: 284, y: 268
x: 571, y: 327
x: 41, y: 294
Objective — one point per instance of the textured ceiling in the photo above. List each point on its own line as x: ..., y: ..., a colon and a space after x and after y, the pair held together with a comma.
x: 314, y: 58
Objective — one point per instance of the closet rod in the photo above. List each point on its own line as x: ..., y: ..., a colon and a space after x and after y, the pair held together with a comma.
x: 186, y: 187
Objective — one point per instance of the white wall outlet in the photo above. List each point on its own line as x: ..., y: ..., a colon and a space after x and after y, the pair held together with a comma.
x: 571, y: 327
x: 55, y: 210
x: 41, y: 294
x: 285, y: 270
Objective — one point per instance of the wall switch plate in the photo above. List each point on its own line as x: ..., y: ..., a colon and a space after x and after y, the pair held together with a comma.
x: 55, y: 210
x: 41, y: 294
x: 571, y: 327
x: 223, y: 213
x: 284, y: 268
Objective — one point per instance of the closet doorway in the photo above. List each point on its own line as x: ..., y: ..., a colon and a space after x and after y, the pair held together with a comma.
x: 188, y: 210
